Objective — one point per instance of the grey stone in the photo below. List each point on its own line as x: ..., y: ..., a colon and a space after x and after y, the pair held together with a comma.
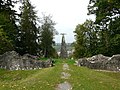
x: 63, y: 50
x: 65, y: 67
x: 13, y: 61
x: 83, y: 62
x: 64, y: 86
x: 113, y: 63
x: 65, y: 75
x: 101, y: 62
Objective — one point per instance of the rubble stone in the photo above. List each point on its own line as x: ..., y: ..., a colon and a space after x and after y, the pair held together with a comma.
x: 13, y: 61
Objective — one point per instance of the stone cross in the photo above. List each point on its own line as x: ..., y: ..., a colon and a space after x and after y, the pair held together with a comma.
x: 63, y: 50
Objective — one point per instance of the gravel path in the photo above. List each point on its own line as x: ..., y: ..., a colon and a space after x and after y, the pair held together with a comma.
x: 65, y: 75
x: 66, y: 85
x: 65, y: 67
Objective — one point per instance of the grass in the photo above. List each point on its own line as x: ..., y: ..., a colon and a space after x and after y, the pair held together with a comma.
x: 86, y: 79
x: 44, y: 79
x: 43, y: 59
x: 47, y: 79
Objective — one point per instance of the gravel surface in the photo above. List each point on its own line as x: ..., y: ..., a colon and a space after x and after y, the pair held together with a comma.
x: 66, y: 85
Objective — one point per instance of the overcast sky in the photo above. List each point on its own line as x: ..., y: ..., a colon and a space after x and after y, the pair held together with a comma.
x: 66, y: 13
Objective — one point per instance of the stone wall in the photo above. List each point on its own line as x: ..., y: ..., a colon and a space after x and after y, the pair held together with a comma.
x: 13, y: 61
x: 101, y: 62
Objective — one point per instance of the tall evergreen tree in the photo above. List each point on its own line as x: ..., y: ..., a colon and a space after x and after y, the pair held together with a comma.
x: 27, y: 39
x: 5, y: 42
x: 47, y: 32
x: 7, y: 22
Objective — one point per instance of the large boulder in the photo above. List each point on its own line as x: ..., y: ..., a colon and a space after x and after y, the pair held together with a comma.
x: 101, y: 62
x: 83, y: 62
x: 97, y: 61
x: 113, y: 63
x: 13, y: 61
x: 8, y: 59
x: 98, y: 58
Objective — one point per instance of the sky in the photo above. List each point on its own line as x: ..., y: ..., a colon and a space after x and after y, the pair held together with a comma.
x: 66, y: 13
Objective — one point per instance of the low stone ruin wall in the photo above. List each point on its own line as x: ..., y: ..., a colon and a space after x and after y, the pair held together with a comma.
x: 13, y: 61
x: 101, y: 62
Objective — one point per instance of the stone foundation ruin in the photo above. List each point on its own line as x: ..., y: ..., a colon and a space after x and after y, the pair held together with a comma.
x: 13, y: 61
x: 101, y: 62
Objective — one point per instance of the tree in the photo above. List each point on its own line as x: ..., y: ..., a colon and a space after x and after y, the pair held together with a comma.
x: 86, y: 39
x: 27, y: 38
x: 107, y: 18
x: 7, y: 23
x: 105, y: 10
x: 47, y: 32
x: 115, y: 37
x: 5, y: 43
x: 79, y: 44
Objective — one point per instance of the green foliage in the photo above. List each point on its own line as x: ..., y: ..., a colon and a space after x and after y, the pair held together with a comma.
x: 79, y: 45
x: 47, y: 32
x: 7, y: 25
x: 27, y: 35
x: 105, y: 10
x: 108, y: 20
x: 24, y: 35
x: 115, y: 36
x: 86, y: 40
x: 5, y: 43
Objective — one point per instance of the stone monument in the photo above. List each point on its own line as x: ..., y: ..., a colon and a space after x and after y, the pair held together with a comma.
x: 63, y: 50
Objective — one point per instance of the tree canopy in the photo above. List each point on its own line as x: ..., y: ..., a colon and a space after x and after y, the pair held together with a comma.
x: 23, y: 32
x: 47, y: 32
x: 27, y: 35
x: 8, y: 26
x: 103, y: 35
x: 108, y: 18
x: 86, y: 39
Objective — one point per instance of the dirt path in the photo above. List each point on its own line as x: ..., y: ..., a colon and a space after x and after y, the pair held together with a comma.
x: 64, y: 75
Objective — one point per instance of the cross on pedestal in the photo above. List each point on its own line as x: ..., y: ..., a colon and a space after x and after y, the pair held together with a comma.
x: 63, y: 50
